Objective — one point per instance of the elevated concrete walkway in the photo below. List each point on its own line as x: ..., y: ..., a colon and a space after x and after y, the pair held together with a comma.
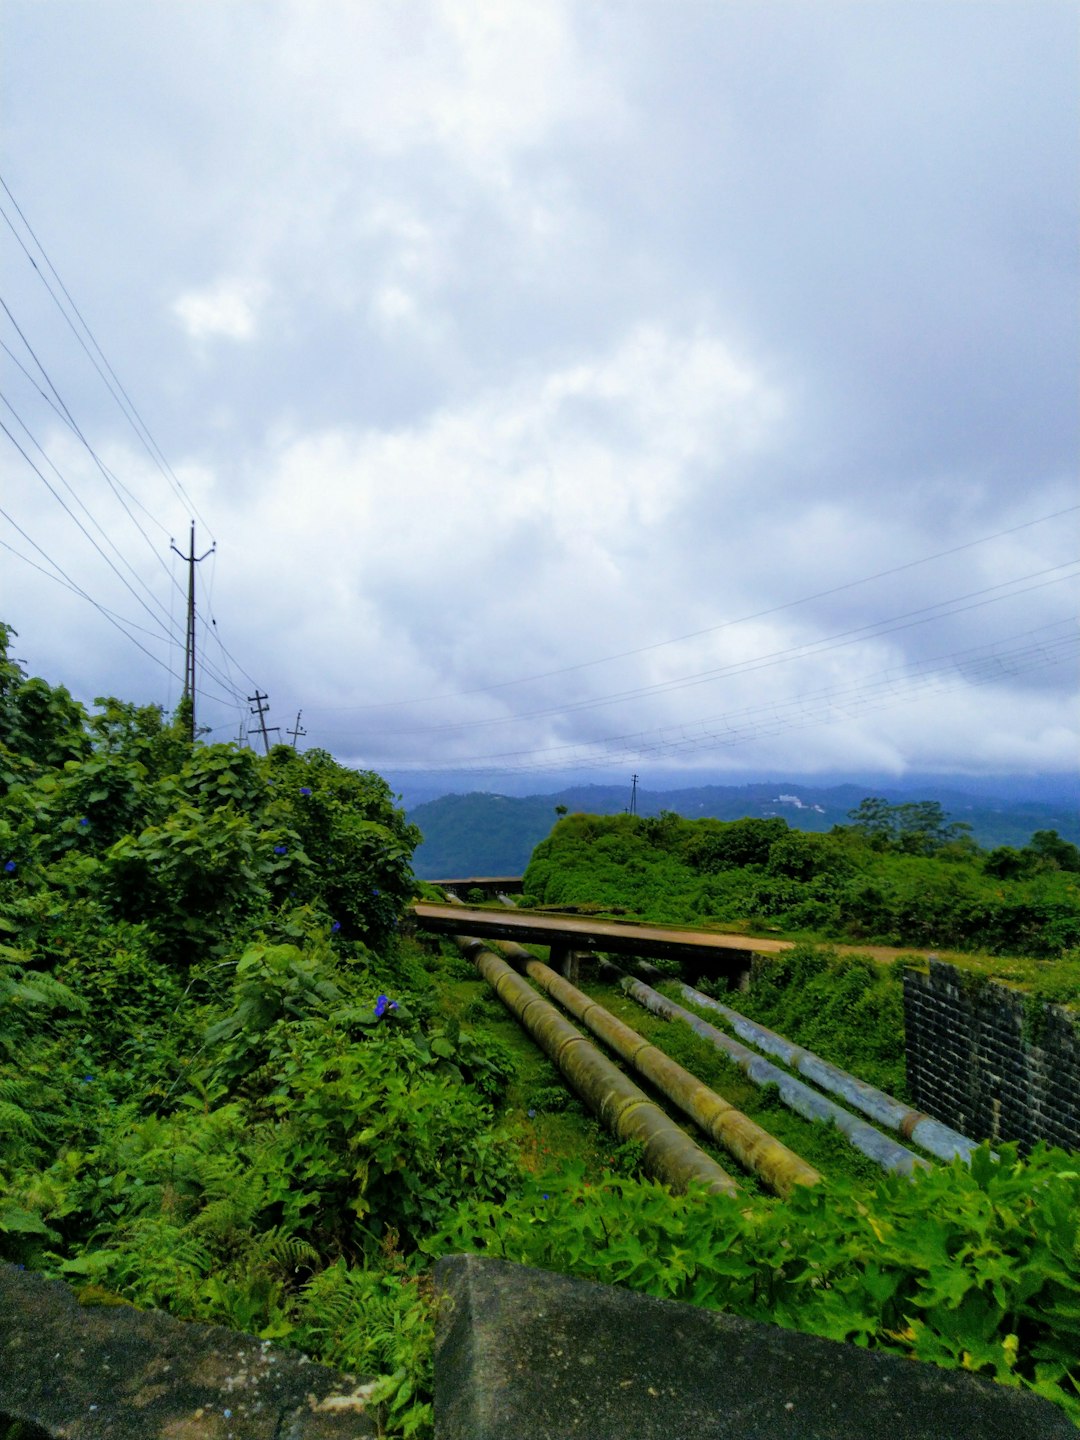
x: 710, y: 951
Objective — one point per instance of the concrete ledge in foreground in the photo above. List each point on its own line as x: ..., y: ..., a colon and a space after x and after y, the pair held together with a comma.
x: 522, y: 1354
x: 73, y: 1373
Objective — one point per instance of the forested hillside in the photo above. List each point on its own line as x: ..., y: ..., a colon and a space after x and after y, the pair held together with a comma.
x: 894, y: 875
x: 233, y: 1087
x: 490, y: 834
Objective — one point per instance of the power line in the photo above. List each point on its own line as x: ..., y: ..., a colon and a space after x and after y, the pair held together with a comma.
x: 78, y: 500
x: 74, y: 589
x: 127, y: 405
x: 45, y: 481
x: 745, y: 725
x: 108, y: 476
x: 809, y: 650
x: 710, y: 629
x: 72, y: 585
x: 66, y: 420
x: 118, y: 621
x: 115, y: 484
x: 124, y: 402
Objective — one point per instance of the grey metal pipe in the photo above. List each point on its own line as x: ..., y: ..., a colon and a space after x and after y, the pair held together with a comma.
x: 669, y: 1153
x: 932, y: 1135
x: 798, y: 1097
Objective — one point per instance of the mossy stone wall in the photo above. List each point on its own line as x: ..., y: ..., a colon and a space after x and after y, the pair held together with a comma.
x: 989, y: 1061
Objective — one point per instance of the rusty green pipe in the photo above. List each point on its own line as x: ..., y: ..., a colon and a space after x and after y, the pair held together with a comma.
x: 669, y: 1153
x: 753, y: 1147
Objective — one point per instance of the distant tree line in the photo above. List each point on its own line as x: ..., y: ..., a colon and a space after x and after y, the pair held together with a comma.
x: 902, y: 874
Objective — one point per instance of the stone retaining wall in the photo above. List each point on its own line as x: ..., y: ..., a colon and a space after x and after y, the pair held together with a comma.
x: 991, y: 1062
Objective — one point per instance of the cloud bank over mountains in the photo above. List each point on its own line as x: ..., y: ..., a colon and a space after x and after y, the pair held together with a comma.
x: 566, y: 386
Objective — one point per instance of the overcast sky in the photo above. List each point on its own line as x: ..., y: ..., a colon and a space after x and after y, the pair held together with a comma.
x: 568, y: 387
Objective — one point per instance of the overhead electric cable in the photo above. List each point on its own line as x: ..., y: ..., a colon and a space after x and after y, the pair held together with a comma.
x: 80, y: 591
x: 127, y: 405
x: 78, y: 500
x: 66, y: 420
x: 162, y: 632
x: 808, y: 650
x: 67, y: 508
x: 742, y: 727
x: 708, y: 630
x: 110, y: 479
x: 82, y: 594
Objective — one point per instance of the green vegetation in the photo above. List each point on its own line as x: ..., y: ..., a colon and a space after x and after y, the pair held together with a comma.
x: 485, y: 834
x: 897, y: 875
x: 972, y: 1269
x: 233, y: 1086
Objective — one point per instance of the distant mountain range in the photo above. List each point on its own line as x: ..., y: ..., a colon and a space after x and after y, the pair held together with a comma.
x: 487, y: 834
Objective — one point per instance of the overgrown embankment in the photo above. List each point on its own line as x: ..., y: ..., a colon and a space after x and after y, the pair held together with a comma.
x: 230, y: 1088
x: 873, y: 881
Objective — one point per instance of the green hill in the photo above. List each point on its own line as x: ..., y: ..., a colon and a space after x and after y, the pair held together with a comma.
x: 489, y: 834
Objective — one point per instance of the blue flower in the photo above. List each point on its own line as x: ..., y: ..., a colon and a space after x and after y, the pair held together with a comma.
x: 382, y: 1005
x: 84, y: 821
x: 10, y: 867
x: 335, y: 927
x: 305, y: 789
x: 532, y: 1114
x: 375, y: 892
x: 546, y: 1196
x: 88, y: 1079
x: 281, y: 849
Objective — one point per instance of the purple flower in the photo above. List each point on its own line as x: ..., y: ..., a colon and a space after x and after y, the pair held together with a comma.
x: 305, y: 790
x: 281, y: 849
x: 10, y: 867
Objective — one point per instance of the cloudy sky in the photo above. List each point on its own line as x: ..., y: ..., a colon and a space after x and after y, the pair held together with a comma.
x: 570, y: 387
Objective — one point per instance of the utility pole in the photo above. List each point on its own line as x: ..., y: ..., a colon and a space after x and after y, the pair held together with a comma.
x: 633, y: 795
x: 296, y: 734
x: 189, y: 639
x: 261, y: 710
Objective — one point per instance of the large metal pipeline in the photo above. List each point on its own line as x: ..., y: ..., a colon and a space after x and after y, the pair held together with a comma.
x: 799, y: 1097
x: 669, y: 1154
x: 753, y: 1147
x: 934, y: 1137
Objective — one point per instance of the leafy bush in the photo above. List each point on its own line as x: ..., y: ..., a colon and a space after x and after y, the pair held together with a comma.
x: 970, y: 1268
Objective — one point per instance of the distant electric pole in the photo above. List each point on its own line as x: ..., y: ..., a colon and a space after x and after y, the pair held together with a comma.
x: 633, y: 795
x: 189, y: 639
x: 296, y: 734
x: 261, y: 710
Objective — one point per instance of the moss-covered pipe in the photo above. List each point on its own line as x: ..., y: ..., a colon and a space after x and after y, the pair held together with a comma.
x: 799, y: 1097
x: 669, y: 1153
x: 752, y: 1146
x: 934, y: 1137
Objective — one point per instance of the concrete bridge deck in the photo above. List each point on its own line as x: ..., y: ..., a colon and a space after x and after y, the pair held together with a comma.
x: 575, y: 932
